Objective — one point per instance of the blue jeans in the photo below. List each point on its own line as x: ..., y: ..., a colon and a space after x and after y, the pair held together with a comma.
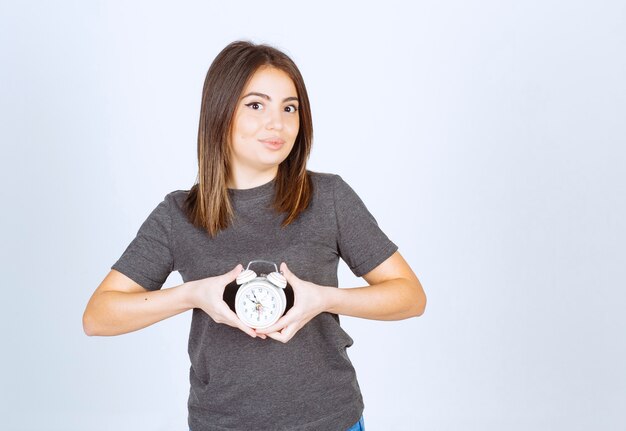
x: 359, y: 426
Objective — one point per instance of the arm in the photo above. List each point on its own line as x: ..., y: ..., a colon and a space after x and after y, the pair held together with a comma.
x: 119, y: 305
x: 394, y: 293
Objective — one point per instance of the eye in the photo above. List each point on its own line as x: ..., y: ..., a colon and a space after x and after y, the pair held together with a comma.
x: 295, y: 108
x: 254, y: 104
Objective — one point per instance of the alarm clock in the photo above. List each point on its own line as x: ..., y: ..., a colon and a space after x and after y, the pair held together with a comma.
x: 259, y: 300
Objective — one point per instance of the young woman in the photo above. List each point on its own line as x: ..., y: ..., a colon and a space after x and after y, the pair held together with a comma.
x: 255, y: 199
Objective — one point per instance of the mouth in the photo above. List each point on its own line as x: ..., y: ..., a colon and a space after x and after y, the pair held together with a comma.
x: 273, y: 143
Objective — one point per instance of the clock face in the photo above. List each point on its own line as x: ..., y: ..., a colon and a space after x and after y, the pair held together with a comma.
x: 259, y: 304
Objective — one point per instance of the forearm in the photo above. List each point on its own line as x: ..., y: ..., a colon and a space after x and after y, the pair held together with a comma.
x: 115, y: 313
x: 395, y: 299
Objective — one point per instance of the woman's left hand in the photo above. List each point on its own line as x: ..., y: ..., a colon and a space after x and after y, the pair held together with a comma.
x: 309, y: 301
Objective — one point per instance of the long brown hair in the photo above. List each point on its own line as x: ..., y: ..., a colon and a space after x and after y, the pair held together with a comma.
x: 208, y: 204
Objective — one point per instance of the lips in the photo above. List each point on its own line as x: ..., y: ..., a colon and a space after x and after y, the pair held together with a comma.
x: 273, y: 143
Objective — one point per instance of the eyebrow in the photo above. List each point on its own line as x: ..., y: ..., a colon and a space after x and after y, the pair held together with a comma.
x: 265, y: 96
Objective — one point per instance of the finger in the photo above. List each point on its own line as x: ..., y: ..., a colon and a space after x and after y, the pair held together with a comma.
x: 248, y: 330
x: 280, y: 324
x: 284, y: 335
x: 287, y: 273
x: 274, y: 328
x: 232, y: 274
x: 276, y: 336
x: 233, y: 320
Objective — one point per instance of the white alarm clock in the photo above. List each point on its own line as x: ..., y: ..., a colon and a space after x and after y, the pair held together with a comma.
x: 260, y: 300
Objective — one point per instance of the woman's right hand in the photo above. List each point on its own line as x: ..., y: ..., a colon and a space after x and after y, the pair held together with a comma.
x: 208, y: 294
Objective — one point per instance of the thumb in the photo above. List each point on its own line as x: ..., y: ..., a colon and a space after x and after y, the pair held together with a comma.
x: 233, y: 273
x: 287, y: 272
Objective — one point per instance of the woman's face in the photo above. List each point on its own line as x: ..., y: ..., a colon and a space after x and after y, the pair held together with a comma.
x: 265, y: 123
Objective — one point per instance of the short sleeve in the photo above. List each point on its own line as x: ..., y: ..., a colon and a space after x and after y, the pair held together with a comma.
x: 148, y: 259
x: 361, y: 242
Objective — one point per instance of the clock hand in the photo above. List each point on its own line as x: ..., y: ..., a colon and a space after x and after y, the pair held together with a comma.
x: 259, y: 301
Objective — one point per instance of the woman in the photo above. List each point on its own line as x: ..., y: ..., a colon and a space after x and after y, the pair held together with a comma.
x: 255, y: 199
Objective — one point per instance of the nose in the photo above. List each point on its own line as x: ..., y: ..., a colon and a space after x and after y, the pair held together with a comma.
x: 274, y: 119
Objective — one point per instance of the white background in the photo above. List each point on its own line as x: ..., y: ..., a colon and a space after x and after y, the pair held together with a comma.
x: 486, y: 137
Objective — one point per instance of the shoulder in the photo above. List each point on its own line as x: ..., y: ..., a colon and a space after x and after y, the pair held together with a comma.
x: 177, y: 195
x: 333, y: 184
x: 175, y: 200
x: 325, y: 181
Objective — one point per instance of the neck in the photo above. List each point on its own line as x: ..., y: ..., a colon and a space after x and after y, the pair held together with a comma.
x: 247, y: 179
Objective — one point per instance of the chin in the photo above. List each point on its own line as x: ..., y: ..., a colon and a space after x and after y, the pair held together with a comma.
x: 275, y: 163
x: 274, y: 159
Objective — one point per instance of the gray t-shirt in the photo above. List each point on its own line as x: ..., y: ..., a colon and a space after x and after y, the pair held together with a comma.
x: 244, y: 383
